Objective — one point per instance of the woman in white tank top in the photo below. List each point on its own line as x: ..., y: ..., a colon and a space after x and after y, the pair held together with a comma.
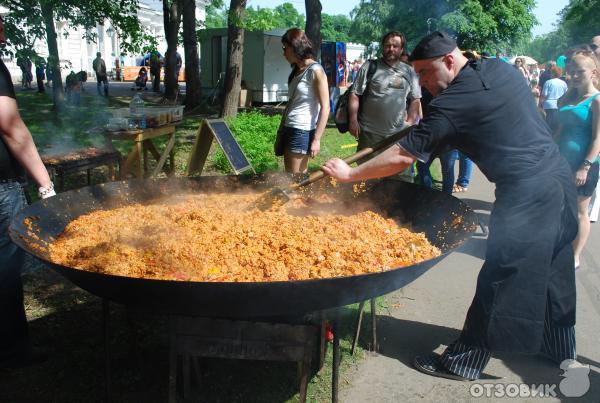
x: 308, y: 103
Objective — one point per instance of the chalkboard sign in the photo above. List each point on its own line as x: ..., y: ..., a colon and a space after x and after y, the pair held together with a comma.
x: 217, y: 129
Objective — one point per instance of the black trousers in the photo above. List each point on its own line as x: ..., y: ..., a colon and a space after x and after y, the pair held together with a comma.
x: 40, y: 83
x: 528, y: 266
x: 552, y: 119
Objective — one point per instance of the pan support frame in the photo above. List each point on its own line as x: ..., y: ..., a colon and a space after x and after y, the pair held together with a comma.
x: 192, y: 337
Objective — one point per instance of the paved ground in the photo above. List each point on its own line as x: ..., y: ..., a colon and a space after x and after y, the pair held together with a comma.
x: 124, y: 88
x: 115, y: 88
x: 429, y: 313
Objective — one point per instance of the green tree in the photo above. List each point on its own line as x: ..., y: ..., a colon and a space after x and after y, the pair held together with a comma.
x: 313, y: 24
x: 370, y: 20
x: 31, y: 20
x: 477, y: 24
x: 255, y: 19
x: 172, y: 21
x: 288, y: 17
x: 260, y: 19
x: 580, y: 20
x: 193, y: 88
x: 335, y: 28
x: 484, y: 24
x: 547, y: 47
x: 216, y: 15
x: 235, y: 54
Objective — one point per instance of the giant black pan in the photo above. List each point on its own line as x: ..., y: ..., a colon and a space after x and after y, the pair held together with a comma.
x: 447, y: 222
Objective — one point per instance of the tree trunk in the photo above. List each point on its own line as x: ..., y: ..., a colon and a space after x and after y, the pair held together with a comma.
x: 313, y: 24
x: 58, y: 94
x: 193, y: 89
x: 172, y: 21
x: 235, y: 53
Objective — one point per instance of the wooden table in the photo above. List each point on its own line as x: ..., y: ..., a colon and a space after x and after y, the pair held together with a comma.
x: 136, y: 162
x: 80, y: 160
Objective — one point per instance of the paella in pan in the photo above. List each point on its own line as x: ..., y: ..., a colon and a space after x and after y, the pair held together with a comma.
x: 222, y: 237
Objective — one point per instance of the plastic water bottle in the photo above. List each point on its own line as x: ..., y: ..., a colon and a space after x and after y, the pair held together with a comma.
x: 137, y: 111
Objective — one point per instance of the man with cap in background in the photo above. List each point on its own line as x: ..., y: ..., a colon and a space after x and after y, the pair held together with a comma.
x: 525, y: 296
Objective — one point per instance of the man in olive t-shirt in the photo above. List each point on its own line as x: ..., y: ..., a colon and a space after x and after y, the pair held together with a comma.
x: 383, y: 104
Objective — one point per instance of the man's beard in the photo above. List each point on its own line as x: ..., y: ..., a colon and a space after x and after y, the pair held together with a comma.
x: 391, y: 58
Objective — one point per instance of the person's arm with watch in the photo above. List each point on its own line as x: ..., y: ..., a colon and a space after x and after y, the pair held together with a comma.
x: 594, y: 148
x: 18, y: 139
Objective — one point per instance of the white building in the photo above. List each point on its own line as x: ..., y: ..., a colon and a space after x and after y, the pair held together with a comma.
x: 355, y: 51
x: 76, y: 53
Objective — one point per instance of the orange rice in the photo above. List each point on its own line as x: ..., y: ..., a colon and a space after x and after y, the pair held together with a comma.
x: 221, y: 237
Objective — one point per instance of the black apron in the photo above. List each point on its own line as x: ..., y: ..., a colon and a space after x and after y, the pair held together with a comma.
x: 529, y: 265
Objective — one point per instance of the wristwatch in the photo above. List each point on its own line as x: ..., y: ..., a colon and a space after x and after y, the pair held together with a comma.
x: 586, y: 163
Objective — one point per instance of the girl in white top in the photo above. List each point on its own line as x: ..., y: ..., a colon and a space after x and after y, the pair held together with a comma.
x: 308, y: 103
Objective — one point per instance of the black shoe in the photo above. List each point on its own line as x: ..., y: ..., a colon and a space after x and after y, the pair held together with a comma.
x: 432, y: 365
x: 33, y: 356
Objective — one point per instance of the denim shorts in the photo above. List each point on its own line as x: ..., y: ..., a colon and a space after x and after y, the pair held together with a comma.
x: 298, y: 141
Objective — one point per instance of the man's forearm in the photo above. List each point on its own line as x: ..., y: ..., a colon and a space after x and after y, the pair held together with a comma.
x: 353, y: 104
x: 393, y: 160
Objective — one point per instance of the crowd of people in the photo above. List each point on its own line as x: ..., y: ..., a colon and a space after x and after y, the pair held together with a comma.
x: 149, y: 71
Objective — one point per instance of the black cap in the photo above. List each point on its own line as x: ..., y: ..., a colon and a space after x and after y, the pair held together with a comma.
x: 433, y: 45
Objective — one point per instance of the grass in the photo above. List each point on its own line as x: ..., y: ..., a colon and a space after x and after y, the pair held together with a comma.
x: 67, y: 321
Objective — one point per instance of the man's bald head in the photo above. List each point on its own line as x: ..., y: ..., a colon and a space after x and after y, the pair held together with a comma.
x: 437, y: 73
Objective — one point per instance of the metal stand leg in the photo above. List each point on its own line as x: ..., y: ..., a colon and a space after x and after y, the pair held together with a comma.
x: 303, y: 372
x: 172, y: 362
x: 374, y: 323
x: 335, y: 373
x: 361, y: 309
x: 105, y: 318
x: 187, y: 369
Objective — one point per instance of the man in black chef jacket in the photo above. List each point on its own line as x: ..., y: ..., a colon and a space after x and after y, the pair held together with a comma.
x: 525, y: 296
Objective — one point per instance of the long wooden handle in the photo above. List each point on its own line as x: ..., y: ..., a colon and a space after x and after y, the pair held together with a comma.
x: 383, y: 144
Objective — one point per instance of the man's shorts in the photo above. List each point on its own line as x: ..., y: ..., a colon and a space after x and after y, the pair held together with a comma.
x: 298, y: 141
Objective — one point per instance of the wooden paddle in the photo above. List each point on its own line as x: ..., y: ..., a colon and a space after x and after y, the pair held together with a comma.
x: 281, y: 196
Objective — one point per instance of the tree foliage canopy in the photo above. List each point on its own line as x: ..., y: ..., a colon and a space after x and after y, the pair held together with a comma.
x: 336, y: 28
x: 333, y: 28
x: 25, y: 20
x: 579, y: 20
x: 577, y: 25
x: 477, y: 24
